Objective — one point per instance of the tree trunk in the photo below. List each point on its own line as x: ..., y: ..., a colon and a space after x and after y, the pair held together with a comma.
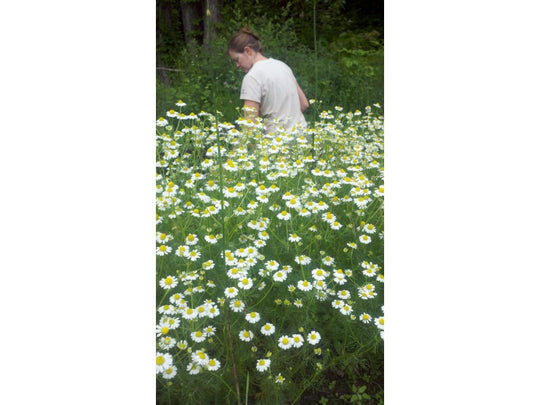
x: 212, y: 17
x: 191, y: 21
x: 163, y: 23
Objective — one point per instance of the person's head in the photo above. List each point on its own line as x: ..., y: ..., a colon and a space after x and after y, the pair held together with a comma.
x: 244, y: 47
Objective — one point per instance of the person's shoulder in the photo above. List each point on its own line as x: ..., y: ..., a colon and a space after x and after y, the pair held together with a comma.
x: 277, y: 64
x: 276, y: 61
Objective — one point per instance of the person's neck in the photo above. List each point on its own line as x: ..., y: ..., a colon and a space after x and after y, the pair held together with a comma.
x: 259, y: 57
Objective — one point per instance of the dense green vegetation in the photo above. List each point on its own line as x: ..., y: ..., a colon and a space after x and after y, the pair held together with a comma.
x: 335, y: 49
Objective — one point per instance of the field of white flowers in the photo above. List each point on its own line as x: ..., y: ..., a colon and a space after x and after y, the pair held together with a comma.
x: 269, y: 252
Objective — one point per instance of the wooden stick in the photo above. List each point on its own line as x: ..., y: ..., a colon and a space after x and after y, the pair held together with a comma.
x: 168, y: 69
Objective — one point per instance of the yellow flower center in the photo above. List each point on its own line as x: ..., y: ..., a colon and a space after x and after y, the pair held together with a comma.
x: 160, y: 360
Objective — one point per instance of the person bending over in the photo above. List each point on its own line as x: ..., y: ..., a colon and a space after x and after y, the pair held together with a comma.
x: 269, y: 88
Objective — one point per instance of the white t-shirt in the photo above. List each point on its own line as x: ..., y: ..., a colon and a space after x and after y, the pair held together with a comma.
x: 271, y: 83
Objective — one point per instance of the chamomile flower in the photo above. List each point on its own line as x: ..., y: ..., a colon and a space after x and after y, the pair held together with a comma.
x: 213, y: 365
x: 335, y: 225
x: 207, y: 265
x: 231, y: 292
x: 298, y: 340
x: 163, y: 362
x: 163, y: 237
x: 280, y: 276
x: 193, y: 368
x: 369, y: 272
x: 163, y: 250
x: 339, y: 277
x: 169, y: 373
x: 237, y: 305
x: 162, y: 122
x: 379, y: 322
x: 369, y: 228
x: 304, y: 285
x: 302, y: 259
x: 245, y: 283
x: 200, y: 358
x: 285, y: 342
x: 209, y: 330
x: 313, y: 337
x: 166, y: 342
x: 337, y: 304
x: 263, y: 364
x: 279, y: 379
x: 252, y: 205
x: 168, y: 282
x: 328, y: 261
x: 245, y: 335
x: 176, y: 299
x: 346, y: 309
x: 162, y: 330
x: 191, y: 239
x: 268, y: 329
x: 272, y: 265
x: 319, y: 274
x: 263, y: 235
x: 365, y: 239
x: 189, y: 314
x: 194, y: 255
x: 284, y: 215
x: 344, y: 294
x: 365, y: 318
x: 294, y: 203
x: 294, y: 238
x: 182, y: 251
x: 198, y: 336
x: 253, y: 317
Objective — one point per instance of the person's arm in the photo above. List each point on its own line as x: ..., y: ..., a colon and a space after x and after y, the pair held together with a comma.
x: 304, y: 103
x: 254, y: 109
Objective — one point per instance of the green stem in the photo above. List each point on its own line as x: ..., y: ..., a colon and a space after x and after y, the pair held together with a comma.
x: 265, y: 295
x: 222, y: 216
x: 224, y: 383
x: 306, y: 386
x: 247, y: 388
